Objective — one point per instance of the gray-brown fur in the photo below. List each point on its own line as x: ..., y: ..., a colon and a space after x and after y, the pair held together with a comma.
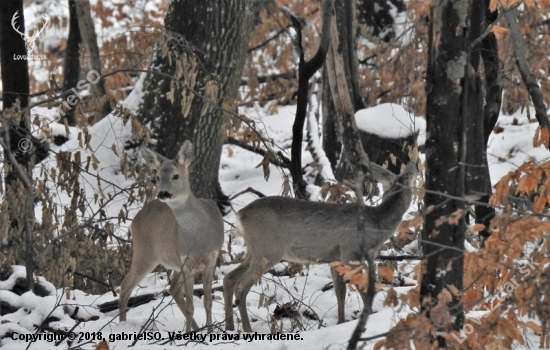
x: 178, y: 231
x: 276, y: 228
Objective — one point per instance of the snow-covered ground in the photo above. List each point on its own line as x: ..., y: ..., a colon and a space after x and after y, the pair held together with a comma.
x: 507, y: 149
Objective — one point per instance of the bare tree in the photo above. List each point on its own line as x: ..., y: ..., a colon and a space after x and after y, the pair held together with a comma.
x: 89, y: 39
x: 209, y: 40
x: 443, y: 239
x: 71, y: 69
x: 21, y: 149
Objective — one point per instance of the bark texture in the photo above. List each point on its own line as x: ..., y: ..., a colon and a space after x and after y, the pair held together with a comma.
x: 493, y: 99
x: 216, y: 34
x: 443, y: 238
x: 346, y: 23
x: 71, y: 68
x: 306, y: 69
x: 16, y: 141
x: 89, y: 38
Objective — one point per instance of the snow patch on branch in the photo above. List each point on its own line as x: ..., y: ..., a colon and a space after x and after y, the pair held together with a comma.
x: 390, y: 120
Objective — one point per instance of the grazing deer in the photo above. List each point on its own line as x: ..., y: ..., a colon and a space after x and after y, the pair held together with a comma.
x: 276, y: 228
x: 178, y: 231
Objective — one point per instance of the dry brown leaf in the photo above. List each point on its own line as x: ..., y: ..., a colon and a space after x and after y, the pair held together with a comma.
x: 360, y: 280
x: 454, y: 218
x: 542, y: 137
x: 391, y: 298
x: 498, y: 30
x: 539, y: 203
x: 535, y: 327
x: 102, y: 345
x: 477, y: 228
x: 265, y: 165
x: 454, y: 291
x: 386, y: 273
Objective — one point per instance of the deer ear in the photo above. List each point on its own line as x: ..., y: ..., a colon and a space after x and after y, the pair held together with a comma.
x: 186, y: 153
x: 151, y: 158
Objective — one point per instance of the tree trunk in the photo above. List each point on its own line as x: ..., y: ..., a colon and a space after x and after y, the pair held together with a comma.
x: 347, y: 34
x: 306, y: 69
x: 71, y: 68
x: 18, y: 149
x: 357, y: 159
x: 444, y: 226
x: 215, y: 34
x: 474, y: 157
x: 493, y: 98
x: 332, y: 131
x: 89, y: 38
x: 15, y: 82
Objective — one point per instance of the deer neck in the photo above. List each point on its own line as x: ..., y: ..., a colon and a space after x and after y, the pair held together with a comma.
x: 397, y: 202
x: 183, y: 204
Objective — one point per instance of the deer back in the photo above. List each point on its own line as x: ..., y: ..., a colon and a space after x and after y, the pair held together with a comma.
x: 317, y: 231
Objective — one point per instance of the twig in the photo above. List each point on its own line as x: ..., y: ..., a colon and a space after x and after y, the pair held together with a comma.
x: 248, y: 190
x: 76, y: 273
x: 266, y: 78
x: 284, y: 162
x: 263, y: 43
x: 400, y: 257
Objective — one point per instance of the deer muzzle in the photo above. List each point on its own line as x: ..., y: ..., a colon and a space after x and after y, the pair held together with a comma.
x: 164, y: 195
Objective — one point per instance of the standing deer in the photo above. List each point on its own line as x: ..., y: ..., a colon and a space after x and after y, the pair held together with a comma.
x: 276, y: 228
x: 179, y: 231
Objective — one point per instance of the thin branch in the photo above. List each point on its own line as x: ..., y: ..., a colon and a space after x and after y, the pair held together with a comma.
x: 267, y: 78
x: 268, y: 40
x: 526, y: 74
x: 284, y: 162
x: 399, y: 257
x: 248, y: 190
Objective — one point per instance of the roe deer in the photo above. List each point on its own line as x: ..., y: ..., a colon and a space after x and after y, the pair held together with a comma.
x: 179, y: 231
x: 276, y: 228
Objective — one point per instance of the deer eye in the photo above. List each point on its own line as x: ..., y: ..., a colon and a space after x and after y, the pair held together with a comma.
x: 176, y: 177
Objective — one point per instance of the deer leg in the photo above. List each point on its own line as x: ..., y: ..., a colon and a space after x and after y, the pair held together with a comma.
x: 139, y: 269
x: 207, y: 276
x: 340, y: 291
x: 181, y: 290
x: 250, y: 277
x: 229, y: 282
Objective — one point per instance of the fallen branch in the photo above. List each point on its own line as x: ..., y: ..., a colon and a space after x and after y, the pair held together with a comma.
x: 145, y: 298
